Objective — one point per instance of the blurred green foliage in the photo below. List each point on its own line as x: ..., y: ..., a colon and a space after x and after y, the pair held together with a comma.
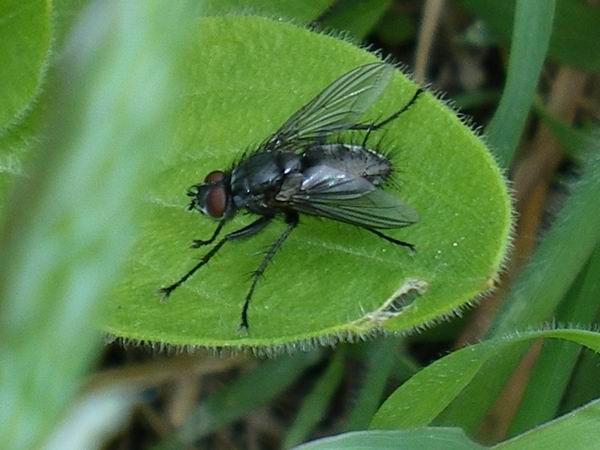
x: 69, y: 224
x: 575, y: 36
x: 25, y: 40
x: 108, y: 112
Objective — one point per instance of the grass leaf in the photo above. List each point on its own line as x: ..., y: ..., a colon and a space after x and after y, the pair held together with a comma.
x: 315, y: 404
x: 576, y: 430
x: 535, y: 295
x: 380, y: 359
x: 422, y: 398
x: 530, y: 38
x: 548, y: 380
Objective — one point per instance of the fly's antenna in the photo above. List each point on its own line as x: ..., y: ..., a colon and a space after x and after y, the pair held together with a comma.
x: 192, y: 192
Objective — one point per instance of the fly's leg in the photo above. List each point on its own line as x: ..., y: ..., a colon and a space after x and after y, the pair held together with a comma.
x: 366, y: 138
x: 291, y: 219
x: 378, y: 125
x: 407, y: 245
x: 247, y: 231
x: 197, y: 243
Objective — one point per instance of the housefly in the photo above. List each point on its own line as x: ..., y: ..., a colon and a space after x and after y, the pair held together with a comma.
x: 299, y: 170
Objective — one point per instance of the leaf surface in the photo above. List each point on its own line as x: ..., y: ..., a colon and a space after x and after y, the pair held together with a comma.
x: 244, y: 76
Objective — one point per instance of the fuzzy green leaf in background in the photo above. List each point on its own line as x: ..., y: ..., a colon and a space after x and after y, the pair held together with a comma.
x: 25, y: 39
x: 26, y: 65
x: 245, y: 76
x: 25, y: 44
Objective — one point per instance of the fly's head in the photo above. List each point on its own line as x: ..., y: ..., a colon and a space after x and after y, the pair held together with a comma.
x: 212, y: 196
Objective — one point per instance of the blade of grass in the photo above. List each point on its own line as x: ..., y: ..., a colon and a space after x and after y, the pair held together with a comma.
x: 576, y: 142
x: 577, y: 430
x: 540, y: 287
x: 564, y: 250
x: 380, y: 359
x: 530, y: 39
x: 316, y: 402
x: 76, y: 213
x: 549, y: 380
x: 238, y: 398
x: 421, y: 399
x: 584, y: 386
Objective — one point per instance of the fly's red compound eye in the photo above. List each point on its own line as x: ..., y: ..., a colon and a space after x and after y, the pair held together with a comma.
x: 216, y: 201
x: 214, y: 177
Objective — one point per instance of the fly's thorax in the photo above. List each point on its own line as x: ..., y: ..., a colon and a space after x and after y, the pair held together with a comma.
x: 261, y: 175
x: 352, y: 159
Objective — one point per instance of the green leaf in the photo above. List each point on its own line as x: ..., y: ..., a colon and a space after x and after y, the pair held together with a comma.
x: 419, y: 439
x: 25, y: 41
x: 562, y: 254
x: 584, y: 386
x: 531, y: 35
x: 18, y: 142
x: 65, y: 14
x: 330, y: 280
x: 548, y: 381
x: 314, y: 407
x: 422, y: 398
x: 575, y: 37
x: 379, y: 357
x: 535, y: 295
x: 576, y: 430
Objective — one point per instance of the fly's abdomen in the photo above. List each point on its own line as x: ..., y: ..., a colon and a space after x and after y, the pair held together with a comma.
x: 351, y: 159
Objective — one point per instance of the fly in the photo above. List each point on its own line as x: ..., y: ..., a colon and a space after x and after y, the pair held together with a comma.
x: 297, y: 171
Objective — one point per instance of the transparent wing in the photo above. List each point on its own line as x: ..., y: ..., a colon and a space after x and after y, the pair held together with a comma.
x: 337, y: 195
x: 338, y: 107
